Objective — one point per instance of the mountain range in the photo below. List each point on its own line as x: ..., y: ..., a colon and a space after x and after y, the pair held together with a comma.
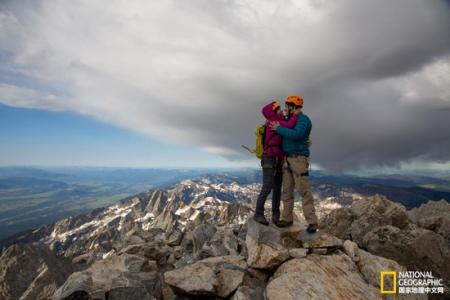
x: 33, y: 197
x: 197, y: 240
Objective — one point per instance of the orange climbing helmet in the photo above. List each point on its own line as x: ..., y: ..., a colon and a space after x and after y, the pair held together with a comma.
x: 296, y: 100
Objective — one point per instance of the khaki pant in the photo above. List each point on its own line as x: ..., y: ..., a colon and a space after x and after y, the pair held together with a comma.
x: 296, y: 175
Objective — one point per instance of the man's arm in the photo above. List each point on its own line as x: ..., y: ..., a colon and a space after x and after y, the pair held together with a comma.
x: 289, y: 123
x: 298, y: 132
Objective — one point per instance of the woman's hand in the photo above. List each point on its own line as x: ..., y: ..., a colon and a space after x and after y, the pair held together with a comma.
x: 274, y: 125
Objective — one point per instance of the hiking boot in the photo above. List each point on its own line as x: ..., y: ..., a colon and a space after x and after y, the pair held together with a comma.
x: 261, y: 220
x: 312, y: 228
x: 282, y: 223
x: 277, y: 222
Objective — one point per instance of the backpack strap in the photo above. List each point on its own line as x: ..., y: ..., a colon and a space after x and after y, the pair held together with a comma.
x: 264, y: 136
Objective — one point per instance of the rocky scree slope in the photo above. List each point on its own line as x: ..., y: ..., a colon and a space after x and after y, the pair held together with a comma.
x: 184, y: 243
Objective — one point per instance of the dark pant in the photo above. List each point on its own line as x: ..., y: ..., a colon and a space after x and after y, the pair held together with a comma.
x: 272, y: 178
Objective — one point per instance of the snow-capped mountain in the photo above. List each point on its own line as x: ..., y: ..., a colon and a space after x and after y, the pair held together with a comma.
x: 213, y: 186
x: 188, y: 203
x: 212, y: 199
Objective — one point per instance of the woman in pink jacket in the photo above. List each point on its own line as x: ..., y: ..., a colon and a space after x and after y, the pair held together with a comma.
x: 272, y: 163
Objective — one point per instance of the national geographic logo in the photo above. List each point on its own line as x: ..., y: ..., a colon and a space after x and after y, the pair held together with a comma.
x: 388, y: 286
x: 410, y: 282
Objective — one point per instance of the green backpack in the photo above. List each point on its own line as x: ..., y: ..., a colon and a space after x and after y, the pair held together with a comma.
x: 260, y: 132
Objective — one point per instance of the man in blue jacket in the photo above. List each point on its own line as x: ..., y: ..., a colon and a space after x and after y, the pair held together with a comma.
x: 296, y: 173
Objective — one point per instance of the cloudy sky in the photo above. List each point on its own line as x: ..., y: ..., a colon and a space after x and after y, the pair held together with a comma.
x: 145, y: 83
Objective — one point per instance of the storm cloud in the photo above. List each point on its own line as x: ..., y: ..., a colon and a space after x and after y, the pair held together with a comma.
x: 375, y: 75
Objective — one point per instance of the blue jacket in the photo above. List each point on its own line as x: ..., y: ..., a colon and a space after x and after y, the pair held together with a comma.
x: 295, y: 140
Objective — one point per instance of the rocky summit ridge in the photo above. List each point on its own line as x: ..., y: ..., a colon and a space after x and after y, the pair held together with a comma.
x: 198, y: 241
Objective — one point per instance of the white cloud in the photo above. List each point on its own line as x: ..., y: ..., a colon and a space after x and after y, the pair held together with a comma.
x: 29, y: 98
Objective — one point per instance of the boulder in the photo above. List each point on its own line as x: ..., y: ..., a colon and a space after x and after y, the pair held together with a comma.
x: 263, y: 256
x: 223, y: 242
x: 230, y: 279
x: 352, y: 250
x: 238, y: 262
x: 175, y: 238
x: 298, y: 252
x: 371, y: 265
x: 338, y: 222
x: 187, y: 243
x: 195, y: 279
x: 320, y: 240
x: 376, y: 211
x: 113, y: 275
x: 200, y: 235
x: 152, y: 251
x: 417, y: 249
x: 363, y: 215
x: 256, y: 278
x: 434, y: 215
x: 247, y: 293
x: 253, y: 285
x: 267, y: 246
x: 178, y: 252
x: 274, y: 236
x: 185, y: 260
x: 417, y: 239
x: 320, y: 277
x: 439, y: 208
x: 215, y: 276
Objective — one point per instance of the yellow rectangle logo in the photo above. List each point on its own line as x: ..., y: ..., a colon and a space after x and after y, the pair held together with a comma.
x: 394, y: 282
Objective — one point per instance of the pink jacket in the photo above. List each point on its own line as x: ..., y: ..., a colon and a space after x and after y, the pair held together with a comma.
x: 272, y: 141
